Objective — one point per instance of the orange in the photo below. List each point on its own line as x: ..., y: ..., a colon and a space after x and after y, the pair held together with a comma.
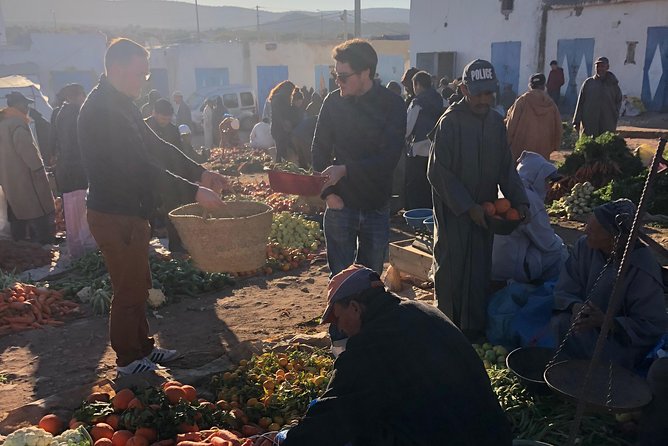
x: 135, y: 403
x: 488, y: 208
x: 170, y: 383
x: 51, y: 423
x: 120, y: 438
x: 191, y: 393
x: 175, y: 394
x: 502, y: 205
x: 101, y: 430
x: 121, y: 400
x: 512, y: 215
x: 147, y: 432
x: 137, y: 441
x: 113, y: 420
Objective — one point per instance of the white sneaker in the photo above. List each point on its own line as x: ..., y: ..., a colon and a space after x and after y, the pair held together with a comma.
x: 162, y: 355
x: 137, y: 366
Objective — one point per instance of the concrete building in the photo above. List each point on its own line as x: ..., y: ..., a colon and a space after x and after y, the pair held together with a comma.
x: 521, y: 37
x: 54, y: 60
x: 260, y: 65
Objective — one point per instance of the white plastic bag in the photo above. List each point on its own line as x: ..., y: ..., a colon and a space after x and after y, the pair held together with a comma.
x: 5, y: 233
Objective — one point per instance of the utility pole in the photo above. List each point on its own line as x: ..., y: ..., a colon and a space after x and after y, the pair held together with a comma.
x: 197, y: 19
x: 257, y: 18
x: 322, y: 26
x: 358, y: 18
x: 344, y: 17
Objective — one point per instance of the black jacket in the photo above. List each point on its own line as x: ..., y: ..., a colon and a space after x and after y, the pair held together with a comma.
x: 70, y: 174
x: 366, y: 134
x: 410, y: 377
x: 126, y: 162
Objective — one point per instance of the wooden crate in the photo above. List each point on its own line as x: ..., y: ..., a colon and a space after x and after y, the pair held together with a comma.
x: 410, y: 260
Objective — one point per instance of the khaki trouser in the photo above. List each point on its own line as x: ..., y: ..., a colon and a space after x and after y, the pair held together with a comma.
x: 124, y: 243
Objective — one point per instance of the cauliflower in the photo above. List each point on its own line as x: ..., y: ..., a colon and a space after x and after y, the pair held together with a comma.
x: 73, y: 437
x: 156, y: 297
x: 29, y: 436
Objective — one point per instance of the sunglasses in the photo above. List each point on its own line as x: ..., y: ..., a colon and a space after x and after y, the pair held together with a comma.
x: 343, y: 77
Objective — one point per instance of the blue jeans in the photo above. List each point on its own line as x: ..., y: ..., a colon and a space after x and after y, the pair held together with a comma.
x: 356, y: 236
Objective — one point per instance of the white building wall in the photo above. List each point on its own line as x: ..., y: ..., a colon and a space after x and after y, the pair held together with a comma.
x: 468, y: 27
x: 57, y: 52
x: 182, y: 60
x: 612, y: 26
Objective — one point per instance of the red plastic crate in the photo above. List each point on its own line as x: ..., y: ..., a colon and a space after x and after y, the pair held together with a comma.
x: 296, y: 184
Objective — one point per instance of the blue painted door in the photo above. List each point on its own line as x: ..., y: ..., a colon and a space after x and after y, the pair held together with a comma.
x: 576, y: 57
x: 322, y: 75
x: 506, y: 61
x: 268, y: 76
x: 160, y: 81
x: 655, y: 70
x: 390, y: 68
x: 61, y: 78
x: 211, y: 77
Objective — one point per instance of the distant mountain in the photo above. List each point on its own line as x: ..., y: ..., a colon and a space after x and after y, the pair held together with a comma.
x: 175, y: 15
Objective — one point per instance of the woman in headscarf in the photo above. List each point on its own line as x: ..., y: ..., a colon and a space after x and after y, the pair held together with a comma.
x: 533, y: 252
x: 583, y: 292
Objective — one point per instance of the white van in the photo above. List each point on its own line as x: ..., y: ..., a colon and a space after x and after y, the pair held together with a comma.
x: 238, y: 99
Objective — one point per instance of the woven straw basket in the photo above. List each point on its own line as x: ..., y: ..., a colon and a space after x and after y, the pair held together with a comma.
x: 231, y: 239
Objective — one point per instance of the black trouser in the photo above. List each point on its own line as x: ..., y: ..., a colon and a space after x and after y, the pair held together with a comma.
x: 555, y: 95
x: 40, y: 230
x: 418, y: 189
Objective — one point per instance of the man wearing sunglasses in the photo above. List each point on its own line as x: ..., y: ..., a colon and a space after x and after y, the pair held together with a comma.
x: 128, y: 167
x: 357, y: 144
x: 468, y: 161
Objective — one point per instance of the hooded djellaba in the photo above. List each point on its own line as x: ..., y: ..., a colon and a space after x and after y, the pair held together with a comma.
x: 533, y: 252
x: 534, y: 122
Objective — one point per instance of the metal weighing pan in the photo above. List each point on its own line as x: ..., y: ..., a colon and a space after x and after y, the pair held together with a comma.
x: 629, y: 392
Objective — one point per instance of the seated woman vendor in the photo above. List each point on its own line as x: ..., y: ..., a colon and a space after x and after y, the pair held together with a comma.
x: 585, y: 288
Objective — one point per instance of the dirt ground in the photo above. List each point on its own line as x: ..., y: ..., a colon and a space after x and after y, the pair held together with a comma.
x: 41, y: 363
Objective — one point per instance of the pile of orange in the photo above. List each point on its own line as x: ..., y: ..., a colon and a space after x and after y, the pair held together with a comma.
x: 501, y: 209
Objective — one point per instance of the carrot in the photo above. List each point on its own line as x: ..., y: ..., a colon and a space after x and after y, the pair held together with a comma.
x: 192, y: 443
x: 223, y: 434
x: 168, y: 442
x: 27, y: 319
x: 189, y: 436
x: 217, y: 441
x: 17, y: 306
x: 54, y: 323
x: 20, y: 327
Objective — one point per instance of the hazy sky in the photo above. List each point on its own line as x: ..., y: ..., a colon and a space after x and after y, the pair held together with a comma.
x: 306, y: 5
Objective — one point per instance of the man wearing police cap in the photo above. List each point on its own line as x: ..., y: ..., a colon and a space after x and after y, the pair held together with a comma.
x: 469, y: 160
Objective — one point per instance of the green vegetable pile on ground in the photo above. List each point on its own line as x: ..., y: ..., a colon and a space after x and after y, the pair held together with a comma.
x: 600, y: 160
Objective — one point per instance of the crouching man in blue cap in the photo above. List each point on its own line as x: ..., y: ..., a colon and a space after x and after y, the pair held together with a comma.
x: 408, y: 376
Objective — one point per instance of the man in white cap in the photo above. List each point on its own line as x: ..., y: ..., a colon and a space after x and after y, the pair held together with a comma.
x: 599, y: 101
x: 469, y: 161
x: 408, y: 376
x: 22, y: 175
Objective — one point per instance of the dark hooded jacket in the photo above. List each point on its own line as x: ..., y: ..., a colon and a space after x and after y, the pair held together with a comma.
x: 410, y: 377
x: 598, y: 105
x: 70, y: 173
x: 431, y: 108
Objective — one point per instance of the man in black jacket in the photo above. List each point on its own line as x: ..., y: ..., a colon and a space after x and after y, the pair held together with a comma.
x: 127, y: 165
x: 357, y: 144
x: 408, y: 376
x: 70, y: 174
